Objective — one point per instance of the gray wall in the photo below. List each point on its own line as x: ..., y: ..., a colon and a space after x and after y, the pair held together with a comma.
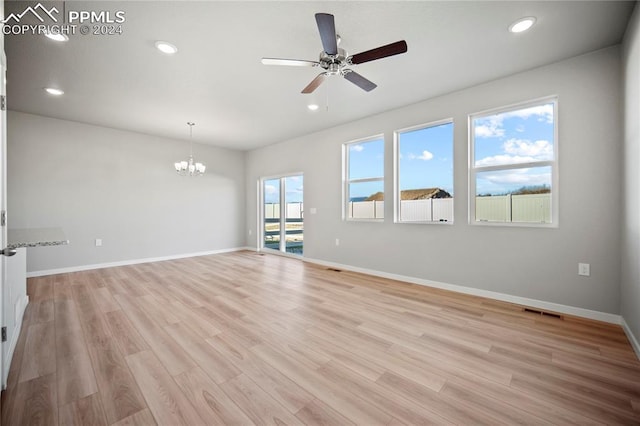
x: 630, y: 287
x: 528, y: 262
x: 97, y: 182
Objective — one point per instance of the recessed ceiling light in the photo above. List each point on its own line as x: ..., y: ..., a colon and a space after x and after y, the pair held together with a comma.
x: 312, y: 107
x: 166, y: 47
x: 57, y: 36
x: 54, y: 91
x: 522, y: 24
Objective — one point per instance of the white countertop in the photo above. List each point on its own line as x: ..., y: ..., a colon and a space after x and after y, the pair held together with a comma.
x: 36, y: 237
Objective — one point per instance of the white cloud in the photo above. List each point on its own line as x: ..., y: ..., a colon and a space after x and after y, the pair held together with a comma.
x: 520, y: 177
x: 270, y: 189
x: 540, y: 149
x: 357, y: 148
x: 425, y: 156
x: 492, y: 126
x: 519, y: 151
x: 545, y: 113
x: 489, y: 127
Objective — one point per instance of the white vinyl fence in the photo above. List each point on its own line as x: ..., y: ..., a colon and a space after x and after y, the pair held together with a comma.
x: 272, y: 210
x: 531, y: 208
x: 429, y: 210
x: 366, y: 209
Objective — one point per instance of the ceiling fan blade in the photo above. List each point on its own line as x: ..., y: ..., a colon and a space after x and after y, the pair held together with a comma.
x: 315, y: 83
x: 327, y: 28
x: 290, y: 62
x: 379, y: 52
x: 360, y: 81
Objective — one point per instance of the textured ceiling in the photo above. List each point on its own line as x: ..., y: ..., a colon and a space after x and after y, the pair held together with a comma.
x: 217, y: 80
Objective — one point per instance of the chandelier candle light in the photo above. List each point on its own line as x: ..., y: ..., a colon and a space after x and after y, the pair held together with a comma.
x: 190, y: 167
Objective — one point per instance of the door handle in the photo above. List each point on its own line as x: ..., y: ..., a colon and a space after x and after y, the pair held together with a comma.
x: 8, y: 252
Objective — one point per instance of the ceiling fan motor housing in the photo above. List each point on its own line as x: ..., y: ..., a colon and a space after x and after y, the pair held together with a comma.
x: 333, y: 64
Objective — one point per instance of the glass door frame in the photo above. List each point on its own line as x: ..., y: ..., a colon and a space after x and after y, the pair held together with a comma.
x: 282, y: 249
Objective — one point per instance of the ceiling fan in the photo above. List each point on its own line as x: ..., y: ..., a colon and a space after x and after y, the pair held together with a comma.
x: 335, y: 61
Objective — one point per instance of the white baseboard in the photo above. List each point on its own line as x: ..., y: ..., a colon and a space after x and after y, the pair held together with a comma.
x: 540, y: 304
x: 14, y: 339
x: 632, y: 338
x: 128, y: 262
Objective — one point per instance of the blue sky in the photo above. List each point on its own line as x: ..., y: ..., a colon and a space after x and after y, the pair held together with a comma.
x: 426, y: 158
x: 366, y: 160
x: 293, y: 190
x: 514, y: 137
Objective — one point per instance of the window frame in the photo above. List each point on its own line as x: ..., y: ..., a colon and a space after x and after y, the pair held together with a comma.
x: 346, y: 182
x: 473, y: 170
x: 396, y: 169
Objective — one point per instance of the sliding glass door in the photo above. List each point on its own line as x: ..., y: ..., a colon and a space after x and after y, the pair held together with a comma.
x: 282, y: 214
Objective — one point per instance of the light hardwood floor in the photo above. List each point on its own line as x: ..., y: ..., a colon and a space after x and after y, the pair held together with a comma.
x: 245, y: 338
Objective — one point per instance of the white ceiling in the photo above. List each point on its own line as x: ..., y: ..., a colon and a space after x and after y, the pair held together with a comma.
x: 217, y: 80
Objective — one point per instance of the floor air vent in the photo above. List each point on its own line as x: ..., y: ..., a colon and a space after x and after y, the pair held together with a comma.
x: 543, y: 313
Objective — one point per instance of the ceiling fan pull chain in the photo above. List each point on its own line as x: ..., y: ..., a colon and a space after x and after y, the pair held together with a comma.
x: 327, y: 91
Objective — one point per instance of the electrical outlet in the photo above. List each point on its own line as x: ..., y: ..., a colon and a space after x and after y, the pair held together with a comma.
x: 584, y: 269
x: 250, y: 232
x: 98, y: 242
x: 337, y: 241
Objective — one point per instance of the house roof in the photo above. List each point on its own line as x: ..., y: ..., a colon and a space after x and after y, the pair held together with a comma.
x: 414, y: 194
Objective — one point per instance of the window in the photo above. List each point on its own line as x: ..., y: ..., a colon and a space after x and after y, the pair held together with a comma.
x: 424, y: 173
x: 513, y: 167
x: 364, y: 179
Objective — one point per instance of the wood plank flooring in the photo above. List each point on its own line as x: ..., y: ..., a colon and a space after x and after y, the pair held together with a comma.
x: 244, y: 338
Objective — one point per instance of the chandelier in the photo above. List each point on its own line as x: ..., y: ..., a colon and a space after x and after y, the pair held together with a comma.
x: 190, y: 167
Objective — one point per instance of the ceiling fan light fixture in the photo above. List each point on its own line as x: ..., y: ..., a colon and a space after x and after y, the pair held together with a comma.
x: 59, y: 37
x: 522, y: 24
x: 166, y: 47
x: 313, y: 107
